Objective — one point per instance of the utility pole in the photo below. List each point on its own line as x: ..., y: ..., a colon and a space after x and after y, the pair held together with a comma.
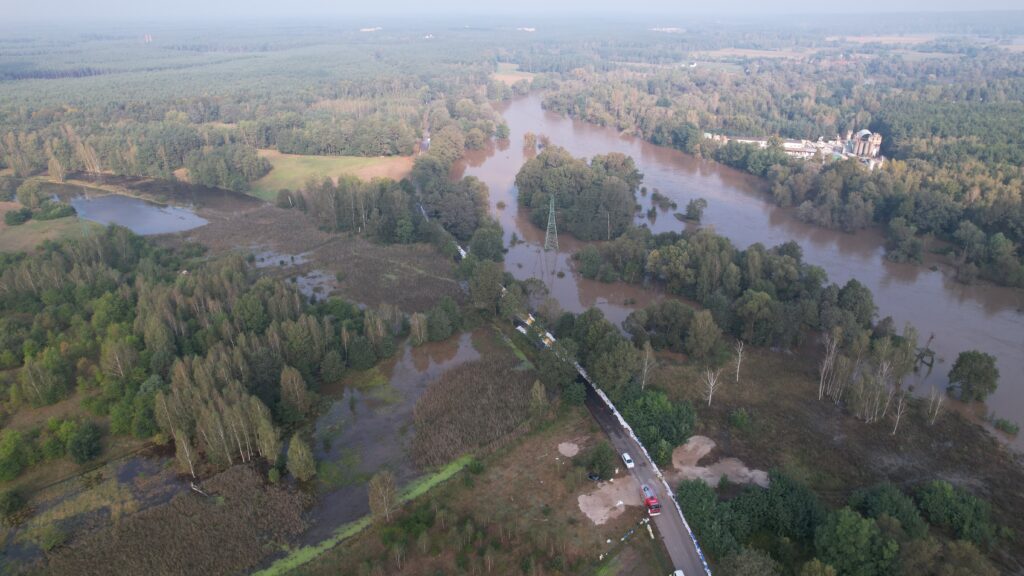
x: 551, y: 238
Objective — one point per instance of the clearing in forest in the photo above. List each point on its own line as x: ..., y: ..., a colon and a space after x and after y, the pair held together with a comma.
x: 510, y: 74
x: 292, y: 171
x: 26, y: 237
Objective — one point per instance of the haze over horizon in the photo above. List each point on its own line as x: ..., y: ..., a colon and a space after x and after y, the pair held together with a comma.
x: 127, y: 10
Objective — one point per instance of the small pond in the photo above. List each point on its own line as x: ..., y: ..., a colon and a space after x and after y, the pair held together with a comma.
x: 140, y: 216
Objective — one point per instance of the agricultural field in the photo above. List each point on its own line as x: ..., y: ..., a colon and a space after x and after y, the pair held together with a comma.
x: 293, y: 171
x: 509, y: 73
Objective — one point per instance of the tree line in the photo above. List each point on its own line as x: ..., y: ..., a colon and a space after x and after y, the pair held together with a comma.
x: 953, y: 151
x: 936, y: 529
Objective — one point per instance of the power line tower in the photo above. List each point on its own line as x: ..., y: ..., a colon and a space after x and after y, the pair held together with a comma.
x: 551, y: 238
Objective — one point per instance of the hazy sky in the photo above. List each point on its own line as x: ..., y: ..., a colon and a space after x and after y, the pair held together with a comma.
x: 98, y: 10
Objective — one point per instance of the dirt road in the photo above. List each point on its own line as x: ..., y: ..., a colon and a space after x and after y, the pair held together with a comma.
x: 670, y: 525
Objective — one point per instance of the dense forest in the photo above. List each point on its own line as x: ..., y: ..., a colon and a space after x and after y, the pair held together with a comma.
x: 596, y: 199
x: 214, y: 358
x: 136, y: 116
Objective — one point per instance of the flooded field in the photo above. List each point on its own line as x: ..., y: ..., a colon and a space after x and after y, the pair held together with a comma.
x: 961, y: 317
x: 93, y: 501
x: 369, y: 426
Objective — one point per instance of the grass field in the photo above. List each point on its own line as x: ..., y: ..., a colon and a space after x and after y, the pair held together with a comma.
x: 509, y: 73
x: 27, y: 236
x: 292, y: 171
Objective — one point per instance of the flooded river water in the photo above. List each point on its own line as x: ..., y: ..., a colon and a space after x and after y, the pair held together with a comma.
x: 961, y: 317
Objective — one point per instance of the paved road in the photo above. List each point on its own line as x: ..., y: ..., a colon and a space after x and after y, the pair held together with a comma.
x: 670, y: 525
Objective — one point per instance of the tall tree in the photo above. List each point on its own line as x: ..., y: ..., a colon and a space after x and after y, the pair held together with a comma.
x: 383, y: 495
x: 301, y: 464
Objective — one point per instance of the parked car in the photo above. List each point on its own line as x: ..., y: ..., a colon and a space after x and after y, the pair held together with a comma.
x: 628, y: 461
x: 594, y: 477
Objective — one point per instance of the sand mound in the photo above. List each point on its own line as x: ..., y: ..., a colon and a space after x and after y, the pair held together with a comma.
x: 689, y: 454
x: 568, y: 449
x: 686, y: 457
x: 610, y: 499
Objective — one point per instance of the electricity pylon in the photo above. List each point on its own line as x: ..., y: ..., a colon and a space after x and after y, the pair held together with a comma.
x: 551, y: 238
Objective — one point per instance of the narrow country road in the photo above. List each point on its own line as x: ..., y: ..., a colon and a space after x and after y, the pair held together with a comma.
x: 670, y: 525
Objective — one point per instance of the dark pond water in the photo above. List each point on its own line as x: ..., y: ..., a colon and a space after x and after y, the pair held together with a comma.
x: 370, y: 427
x: 961, y: 317
x: 140, y: 216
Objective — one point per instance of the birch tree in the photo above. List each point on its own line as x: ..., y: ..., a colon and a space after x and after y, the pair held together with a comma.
x: 418, y: 329
x: 901, y: 407
x: 826, y: 369
x: 301, y: 464
x: 183, y: 451
x: 739, y: 362
x: 294, y: 394
x: 648, y: 364
x: 935, y: 399
x: 711, y: 382
x: 383, y: 495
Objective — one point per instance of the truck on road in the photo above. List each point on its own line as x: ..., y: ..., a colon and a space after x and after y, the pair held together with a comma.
x: 650, y: 501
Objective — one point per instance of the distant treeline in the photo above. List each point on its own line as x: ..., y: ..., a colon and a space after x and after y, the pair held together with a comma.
x: 954, y: 147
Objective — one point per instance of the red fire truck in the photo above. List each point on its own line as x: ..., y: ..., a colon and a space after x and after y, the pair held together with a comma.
x: 650, y: 500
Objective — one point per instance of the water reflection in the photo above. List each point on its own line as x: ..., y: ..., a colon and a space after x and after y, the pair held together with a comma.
x: 369, y: 426
x: 983, y: 317
x: 139, y: 216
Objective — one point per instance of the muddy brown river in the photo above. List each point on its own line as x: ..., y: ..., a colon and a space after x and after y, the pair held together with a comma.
x: 961, y: 317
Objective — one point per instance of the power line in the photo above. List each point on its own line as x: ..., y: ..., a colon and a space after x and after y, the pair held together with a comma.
x: 551, y: 238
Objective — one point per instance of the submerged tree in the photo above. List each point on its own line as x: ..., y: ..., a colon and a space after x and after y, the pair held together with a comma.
x: 975, y: 374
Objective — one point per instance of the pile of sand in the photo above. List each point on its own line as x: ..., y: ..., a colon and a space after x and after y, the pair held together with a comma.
x: 610, y: 499
x: 686, y: 457
x: 568, y: 449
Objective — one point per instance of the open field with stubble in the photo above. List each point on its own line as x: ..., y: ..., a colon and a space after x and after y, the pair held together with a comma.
x: 292, y: 171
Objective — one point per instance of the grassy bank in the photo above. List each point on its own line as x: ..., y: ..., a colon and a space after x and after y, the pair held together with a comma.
x: 306, y: 554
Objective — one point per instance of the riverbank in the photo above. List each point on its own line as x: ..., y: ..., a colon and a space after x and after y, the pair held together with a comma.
x: 962, y: 317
